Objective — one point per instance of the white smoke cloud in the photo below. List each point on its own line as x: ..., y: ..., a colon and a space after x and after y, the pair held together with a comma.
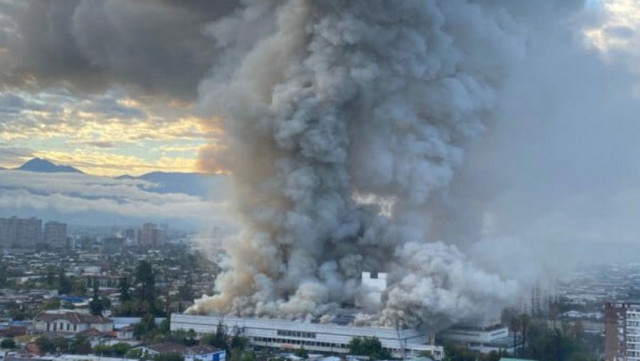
x: 335, y: 100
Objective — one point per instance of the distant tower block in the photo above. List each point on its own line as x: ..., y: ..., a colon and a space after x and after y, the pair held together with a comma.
x: 373, y: 286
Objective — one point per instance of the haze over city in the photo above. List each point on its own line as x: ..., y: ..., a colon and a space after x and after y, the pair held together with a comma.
x: 418, y: 164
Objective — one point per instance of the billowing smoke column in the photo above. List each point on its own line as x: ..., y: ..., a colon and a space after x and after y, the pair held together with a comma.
x: 345, y: 118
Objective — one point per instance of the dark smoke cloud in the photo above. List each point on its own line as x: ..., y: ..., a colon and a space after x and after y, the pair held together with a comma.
x: 158, y: 47
x: 335, y: 110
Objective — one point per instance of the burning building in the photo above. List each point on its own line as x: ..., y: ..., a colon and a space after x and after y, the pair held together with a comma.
x: 345, y: 122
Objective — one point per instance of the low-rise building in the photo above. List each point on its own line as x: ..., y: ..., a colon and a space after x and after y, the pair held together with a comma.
x: 480, y: 338
x: 318, y: 337
x: 70, y: 322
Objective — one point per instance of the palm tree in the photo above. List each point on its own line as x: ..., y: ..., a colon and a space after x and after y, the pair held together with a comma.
x: 525, y: 320
x: 514, y: 327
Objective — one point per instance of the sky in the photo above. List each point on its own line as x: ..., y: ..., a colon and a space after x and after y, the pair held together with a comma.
x: 108, y: 88
x: 114, y: 87
x: 126, y: 102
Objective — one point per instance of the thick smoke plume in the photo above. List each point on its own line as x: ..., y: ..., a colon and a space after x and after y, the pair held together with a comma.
x: 345, y: 120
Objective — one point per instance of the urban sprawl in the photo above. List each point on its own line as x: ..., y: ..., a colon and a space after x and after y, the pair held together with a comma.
x: 95, y: 293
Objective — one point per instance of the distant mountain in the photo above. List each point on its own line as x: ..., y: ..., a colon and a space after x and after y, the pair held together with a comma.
x: 214, y: 187
x: 44, y: 166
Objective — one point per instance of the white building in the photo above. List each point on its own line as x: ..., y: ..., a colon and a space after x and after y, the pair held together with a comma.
x: 70, y: 322
x: 483, y: 339
x: 316, y: 337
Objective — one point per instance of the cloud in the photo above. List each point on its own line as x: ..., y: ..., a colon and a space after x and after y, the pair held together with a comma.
x: 13, y: 156
x: 157, y: 47
x: 615, y: 32
x: 554, y: 181
x: 70, y: 195
x: 111, y: 127
x: 101, y: 162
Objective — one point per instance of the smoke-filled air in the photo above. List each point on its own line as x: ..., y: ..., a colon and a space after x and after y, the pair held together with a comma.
x: 346, y: 123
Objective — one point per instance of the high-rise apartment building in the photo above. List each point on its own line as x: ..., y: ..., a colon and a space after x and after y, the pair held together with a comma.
x: 622, y: 331
x: 152, y: 236
x: 20, y: 232
x: 55, y: 234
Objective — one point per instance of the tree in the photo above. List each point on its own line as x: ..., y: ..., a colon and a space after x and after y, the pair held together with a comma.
x: 123, y: 287
x: 65, y: 286
x: 96, y: 306
x: 524, y: 324
x: 8, y: 343
x: 191, y: 338
x: 368, y: 346
x: 4, y: 275
x: 52, y: 304
x: 218, y: 340
x: 301, y: 352
x: 79, y: 288
x: 44, y: 344
x: 118, y: 350
x: 51, y: 276
x: 185, y: 291
x: 80, y: 345
x: 145, y: 279
x: 165, y: 326
x: 514, y: 327
x: 145, y: 326
x: 456, y: 353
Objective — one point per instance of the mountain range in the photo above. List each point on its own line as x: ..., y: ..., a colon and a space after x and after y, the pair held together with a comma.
x: 45, y: 166
x: 193, y: 184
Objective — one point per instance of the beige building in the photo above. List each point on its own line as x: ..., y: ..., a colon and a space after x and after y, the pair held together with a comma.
x: 55, y: 234
x: 70, y: 322
x: 20, y: 232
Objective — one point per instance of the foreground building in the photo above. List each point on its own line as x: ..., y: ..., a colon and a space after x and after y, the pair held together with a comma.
x: 70, y: 323
x: 483, y: 338
x: 315, y: 337
x: 622, y: 331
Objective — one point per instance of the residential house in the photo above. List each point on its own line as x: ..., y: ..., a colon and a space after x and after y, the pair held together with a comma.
x: 70, y: 322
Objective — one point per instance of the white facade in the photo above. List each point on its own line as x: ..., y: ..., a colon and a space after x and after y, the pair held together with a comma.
x: 70, y: 322
x: 633, y: 333
x: 374, y: 286
x: 474, y: 336
x: 317, y: 337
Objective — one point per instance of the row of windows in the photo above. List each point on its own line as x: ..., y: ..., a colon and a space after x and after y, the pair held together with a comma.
x: 268, y: 340
x: 60, y: 326
x: 299, y: 342
x: 296, y: 334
